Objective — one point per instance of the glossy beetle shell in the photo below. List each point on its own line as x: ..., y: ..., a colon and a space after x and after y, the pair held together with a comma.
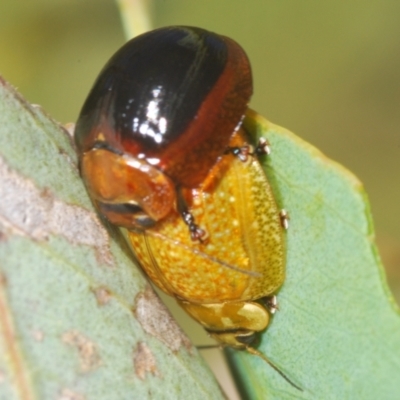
x: 173, y: 97
x: 158, y: 140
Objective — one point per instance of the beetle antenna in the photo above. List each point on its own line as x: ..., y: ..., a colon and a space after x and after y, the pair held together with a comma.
x: 204, y: 255
x: 208, y: 347
x: 255, y: 352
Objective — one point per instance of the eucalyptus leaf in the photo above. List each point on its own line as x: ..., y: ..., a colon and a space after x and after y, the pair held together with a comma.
x: 337, y: 331
x: 77, y: 319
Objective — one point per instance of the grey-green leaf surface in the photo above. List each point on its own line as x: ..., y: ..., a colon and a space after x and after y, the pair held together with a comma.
x: 337, y: 334
x: 77, y: 318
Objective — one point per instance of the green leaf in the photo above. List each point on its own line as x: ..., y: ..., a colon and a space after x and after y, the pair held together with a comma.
x: 337, y: 334
x: 77, y: 318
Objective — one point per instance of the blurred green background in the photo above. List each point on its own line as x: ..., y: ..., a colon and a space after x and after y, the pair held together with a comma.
x: 327, y: 70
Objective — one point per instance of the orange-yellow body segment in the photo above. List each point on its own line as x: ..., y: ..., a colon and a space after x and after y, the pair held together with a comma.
x: 242, y: 260
x: 112, y: 178
x: 228, y: 316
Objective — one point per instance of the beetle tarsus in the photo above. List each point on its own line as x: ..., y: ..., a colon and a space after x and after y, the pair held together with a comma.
x: 271, y: 303
x: 242, y: 152
x: 284, y: 216
x: 197, y: 234
x: 263, y: 148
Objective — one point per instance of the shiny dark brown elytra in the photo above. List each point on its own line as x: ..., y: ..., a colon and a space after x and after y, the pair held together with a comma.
x: 199, y: 82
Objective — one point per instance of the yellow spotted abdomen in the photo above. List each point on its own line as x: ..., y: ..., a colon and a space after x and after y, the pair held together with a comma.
x: 243, y: 258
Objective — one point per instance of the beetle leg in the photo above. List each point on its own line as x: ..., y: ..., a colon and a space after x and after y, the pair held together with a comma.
x: 284, y: 216
x: 197, y: 234
x: 263, y: 148
x: 242, y: 152
x: 271, y: 303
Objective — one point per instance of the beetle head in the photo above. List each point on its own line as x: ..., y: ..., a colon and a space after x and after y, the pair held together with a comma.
x: 128, y: 191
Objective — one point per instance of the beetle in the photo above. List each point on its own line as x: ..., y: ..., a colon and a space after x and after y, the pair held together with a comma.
x: 162, y: 153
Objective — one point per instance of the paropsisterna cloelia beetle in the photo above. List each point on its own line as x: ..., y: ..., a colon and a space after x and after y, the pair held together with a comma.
x: 163, y: 154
